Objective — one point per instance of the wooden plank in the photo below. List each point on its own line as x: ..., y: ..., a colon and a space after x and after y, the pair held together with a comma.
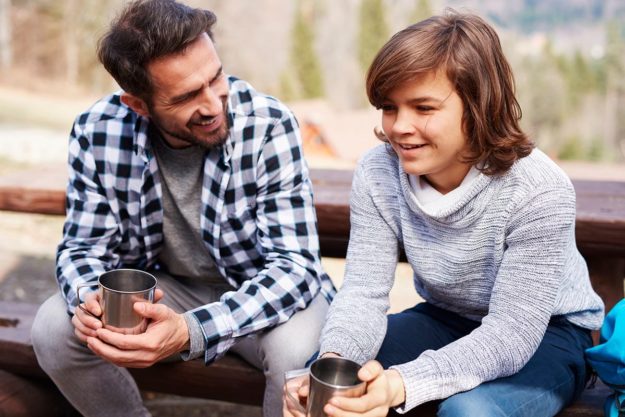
x: 229, y: 379
x: 24, y: 397
x: 16, y: 354
x: 600, y: 206
x: 36, y: 190
x: 600, y: 220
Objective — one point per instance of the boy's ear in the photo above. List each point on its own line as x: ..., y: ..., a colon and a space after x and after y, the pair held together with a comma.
x: 136, y: 104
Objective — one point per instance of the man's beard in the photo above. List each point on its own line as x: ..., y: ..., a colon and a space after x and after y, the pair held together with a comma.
x: 214, y: 140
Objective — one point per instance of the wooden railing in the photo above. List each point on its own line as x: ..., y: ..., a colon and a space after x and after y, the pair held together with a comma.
x: 600, y: 227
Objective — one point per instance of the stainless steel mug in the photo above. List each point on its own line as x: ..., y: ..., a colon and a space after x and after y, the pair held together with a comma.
x: 329, y: 377
x: 119, y: 290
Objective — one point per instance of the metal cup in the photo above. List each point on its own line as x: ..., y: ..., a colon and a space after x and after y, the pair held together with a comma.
x: 329, y: 377
x: 119, y: 290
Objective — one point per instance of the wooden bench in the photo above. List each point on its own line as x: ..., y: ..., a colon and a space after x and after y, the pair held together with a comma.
x: 600, y: 234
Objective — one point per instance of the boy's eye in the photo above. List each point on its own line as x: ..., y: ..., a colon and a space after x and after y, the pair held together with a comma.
x: 425, y: 108
x: 387, y: 108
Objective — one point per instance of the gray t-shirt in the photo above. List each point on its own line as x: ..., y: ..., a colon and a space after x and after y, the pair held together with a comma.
x: 184, y: 253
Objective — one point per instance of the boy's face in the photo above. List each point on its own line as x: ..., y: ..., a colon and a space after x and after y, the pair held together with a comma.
x: 422, y: 119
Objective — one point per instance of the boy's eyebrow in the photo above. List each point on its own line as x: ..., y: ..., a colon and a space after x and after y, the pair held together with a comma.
x: 430, y: 98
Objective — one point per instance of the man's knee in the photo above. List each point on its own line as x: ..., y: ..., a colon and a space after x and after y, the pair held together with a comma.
x: 51, y: 332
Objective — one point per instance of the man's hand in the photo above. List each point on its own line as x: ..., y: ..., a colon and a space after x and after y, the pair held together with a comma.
x: 167, y: 333
x: 85, y: 326
x: 385, y: 389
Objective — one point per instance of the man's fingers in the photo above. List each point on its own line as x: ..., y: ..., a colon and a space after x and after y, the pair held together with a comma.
x: 155, y: 312
x: 92, y: 303
x: 124, y: 341
x: 80, y: 327
x: 129, y: 359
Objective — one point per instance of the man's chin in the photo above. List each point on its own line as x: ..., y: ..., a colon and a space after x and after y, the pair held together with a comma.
x: 212, y: 141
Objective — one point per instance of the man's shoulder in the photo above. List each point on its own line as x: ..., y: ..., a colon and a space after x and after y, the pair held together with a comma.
x: 246, y: 101
x: 107, y: 109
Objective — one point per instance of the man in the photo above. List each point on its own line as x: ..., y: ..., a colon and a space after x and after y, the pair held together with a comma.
x: 199, y: 179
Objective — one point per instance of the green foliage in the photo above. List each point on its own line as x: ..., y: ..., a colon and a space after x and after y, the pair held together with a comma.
x: 596, y: 151
x: 304, y: 59
x: 572, y: 149
x: 422, y: 11
x: 373, y: 32
x: 287, y: 87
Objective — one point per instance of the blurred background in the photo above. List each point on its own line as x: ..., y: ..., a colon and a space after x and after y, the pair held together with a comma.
x: 568, y: 57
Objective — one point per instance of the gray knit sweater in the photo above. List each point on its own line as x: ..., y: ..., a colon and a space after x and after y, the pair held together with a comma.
x: 503, y: 254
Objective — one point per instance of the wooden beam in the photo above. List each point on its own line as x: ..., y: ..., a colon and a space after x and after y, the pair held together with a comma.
x: 600, y: 226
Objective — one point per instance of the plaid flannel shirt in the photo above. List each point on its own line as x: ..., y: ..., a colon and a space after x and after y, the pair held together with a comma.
x: 258, y: 220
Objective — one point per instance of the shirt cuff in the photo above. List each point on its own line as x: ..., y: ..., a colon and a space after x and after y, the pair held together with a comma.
x: 217, y: 329
x: 197, y: 343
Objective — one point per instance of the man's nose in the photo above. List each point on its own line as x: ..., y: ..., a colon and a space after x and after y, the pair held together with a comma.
x: 210, y: 102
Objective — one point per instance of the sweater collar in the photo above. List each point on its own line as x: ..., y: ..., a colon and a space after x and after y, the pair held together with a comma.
x: 462, y: 209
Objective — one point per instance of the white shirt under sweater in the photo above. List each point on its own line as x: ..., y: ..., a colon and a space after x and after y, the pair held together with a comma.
x: 502, y: 253
x: 431, y: 200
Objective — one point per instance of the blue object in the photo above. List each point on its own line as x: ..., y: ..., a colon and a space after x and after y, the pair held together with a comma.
x: 608, y: 359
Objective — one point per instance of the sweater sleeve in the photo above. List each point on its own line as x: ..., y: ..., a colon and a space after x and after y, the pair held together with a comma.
x: 356, y: 322
x: 520, y: 307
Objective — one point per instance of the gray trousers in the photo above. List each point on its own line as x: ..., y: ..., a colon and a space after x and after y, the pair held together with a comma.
x: 96, y: 387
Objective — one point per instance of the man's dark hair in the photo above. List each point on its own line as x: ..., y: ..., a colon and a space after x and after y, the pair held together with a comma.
x: 146, y: 30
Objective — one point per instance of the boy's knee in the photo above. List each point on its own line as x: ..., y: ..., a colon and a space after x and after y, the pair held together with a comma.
x: 469, y: 404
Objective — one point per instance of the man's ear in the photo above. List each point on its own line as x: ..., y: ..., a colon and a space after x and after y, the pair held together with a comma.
x: 136, y: 104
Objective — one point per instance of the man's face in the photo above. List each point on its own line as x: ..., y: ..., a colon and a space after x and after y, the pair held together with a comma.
x: 190, y: 93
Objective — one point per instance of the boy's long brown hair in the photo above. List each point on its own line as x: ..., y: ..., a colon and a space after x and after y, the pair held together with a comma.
x: 468, y: 51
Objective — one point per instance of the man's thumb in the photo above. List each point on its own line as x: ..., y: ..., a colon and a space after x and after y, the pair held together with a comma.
x: 151, y: 311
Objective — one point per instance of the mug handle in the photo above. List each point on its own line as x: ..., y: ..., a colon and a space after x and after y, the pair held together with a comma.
x: 289, y: 375
x: 80, y: 305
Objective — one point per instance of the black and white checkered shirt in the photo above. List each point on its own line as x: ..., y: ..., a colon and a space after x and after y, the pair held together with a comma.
x: 258, y: 221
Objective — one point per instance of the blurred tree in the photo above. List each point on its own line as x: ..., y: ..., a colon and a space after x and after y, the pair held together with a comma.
x: 303, y: 56
x: 422, y: 11
x: 542, y: 94
x: 287, y: 86
x: 596, y: 151
x: 6, y: 52
x: 614, y: 133
x: 70, y: 35
x: 373, y: 31
x: 572, y: 149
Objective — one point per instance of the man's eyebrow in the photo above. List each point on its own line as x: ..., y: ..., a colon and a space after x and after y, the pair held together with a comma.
x: 186, y: 94
x: 220, y: 71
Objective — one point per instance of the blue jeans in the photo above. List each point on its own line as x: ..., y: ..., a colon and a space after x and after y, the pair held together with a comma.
x: 552, y: 379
